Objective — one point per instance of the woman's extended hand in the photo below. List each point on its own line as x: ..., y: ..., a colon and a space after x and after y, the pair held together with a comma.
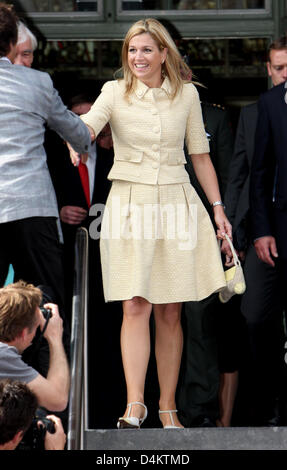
x: 222, y: 223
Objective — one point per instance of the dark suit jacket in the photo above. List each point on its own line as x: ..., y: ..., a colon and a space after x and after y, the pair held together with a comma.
x: 66, y: 178
x: 268, y: 184
x: 221, y: 141
x: 237, y: 193
x: 69, y: 192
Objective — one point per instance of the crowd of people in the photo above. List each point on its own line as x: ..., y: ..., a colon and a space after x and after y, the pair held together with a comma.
x: 173, y: 181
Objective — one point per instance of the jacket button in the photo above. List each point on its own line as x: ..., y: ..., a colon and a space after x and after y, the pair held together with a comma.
x: 155, y: 147
x: 154, y: 111
x: 155, y: 165
x: 156, y: 129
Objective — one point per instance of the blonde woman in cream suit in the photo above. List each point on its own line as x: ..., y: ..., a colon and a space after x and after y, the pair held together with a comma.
x: 151, y: 261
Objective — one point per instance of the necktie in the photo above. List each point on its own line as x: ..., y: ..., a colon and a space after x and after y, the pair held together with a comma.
x: 84, y: 175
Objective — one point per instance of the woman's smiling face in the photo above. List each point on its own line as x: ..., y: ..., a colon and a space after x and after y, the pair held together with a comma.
x: 145, y: 59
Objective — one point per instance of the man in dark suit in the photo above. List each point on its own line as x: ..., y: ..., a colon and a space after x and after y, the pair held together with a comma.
x: 268, y: 178
x: 73, y: 201
x: 221, y: 140
x: 259, y: 305
x: 199, y: 384
x: 268, y: 194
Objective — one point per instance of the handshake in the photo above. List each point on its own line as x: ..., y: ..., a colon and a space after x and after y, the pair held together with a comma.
x: 75, y: 156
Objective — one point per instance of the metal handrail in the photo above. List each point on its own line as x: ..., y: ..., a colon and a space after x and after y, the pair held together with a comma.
x: 77, y: 418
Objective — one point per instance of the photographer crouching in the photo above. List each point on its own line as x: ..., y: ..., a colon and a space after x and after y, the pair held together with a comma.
x: 18, y: 407
x: 20, y: 317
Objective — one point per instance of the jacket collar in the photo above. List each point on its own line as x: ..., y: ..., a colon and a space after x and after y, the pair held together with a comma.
x: 141, y: 89
x: 5, y: 61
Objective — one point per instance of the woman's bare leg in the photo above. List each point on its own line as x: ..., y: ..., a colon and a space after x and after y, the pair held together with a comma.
x: 168, y: 350
x: 135, y: 347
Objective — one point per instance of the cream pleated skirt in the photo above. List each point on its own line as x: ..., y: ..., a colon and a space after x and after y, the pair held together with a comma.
x: 158, y: 242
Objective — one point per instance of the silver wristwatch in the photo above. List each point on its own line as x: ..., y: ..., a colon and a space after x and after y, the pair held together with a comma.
x: 218, y: 203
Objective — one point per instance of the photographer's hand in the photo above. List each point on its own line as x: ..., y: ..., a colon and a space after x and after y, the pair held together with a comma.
x: 57, y: 440
x: 52, y: 391
x: 54, y: 329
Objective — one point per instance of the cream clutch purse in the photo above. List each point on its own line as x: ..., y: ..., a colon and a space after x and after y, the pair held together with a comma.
x: 235, y: 282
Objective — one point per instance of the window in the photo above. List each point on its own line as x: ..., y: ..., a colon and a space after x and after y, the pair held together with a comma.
x: 55, y: 6
x: 91, y: 59
x: 243, y: 4
x: 136, y: 5
x: 223, y: 58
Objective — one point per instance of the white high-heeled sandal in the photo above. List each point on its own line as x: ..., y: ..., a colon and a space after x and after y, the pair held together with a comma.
x: 172, y: 425
x: 132, y: 422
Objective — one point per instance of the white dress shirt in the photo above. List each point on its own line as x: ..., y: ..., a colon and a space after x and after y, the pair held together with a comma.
x: 91, y: 165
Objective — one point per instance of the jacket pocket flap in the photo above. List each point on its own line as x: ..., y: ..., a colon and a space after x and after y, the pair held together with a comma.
x: 176, y: 157
x: 134, y: 156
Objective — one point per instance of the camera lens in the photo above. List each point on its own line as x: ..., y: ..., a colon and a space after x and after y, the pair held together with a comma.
x: 46, y: 312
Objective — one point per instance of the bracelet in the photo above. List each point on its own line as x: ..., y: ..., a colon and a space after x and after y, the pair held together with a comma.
x: 218, y: 203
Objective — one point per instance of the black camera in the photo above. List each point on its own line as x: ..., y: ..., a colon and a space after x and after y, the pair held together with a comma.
x: 47, y: 312
x: 34, y: 438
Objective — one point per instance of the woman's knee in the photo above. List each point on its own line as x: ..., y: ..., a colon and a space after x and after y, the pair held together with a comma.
x: 169, y: 314
x: 137, y: 307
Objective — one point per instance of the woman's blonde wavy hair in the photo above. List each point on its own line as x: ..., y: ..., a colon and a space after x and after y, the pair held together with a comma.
x: 174, y: 66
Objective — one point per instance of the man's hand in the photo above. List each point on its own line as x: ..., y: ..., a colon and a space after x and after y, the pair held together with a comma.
x: 73, y: 215
x: 266, y: 249
x: 76, y: 157
x: 57, y: 440
x: 52, y: 391
x: 54, y: 330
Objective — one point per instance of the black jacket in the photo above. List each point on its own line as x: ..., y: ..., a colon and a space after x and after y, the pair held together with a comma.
x: 66, y: 178
x: 237, y: 193
x: 268, y: 184
x: 221, y: 141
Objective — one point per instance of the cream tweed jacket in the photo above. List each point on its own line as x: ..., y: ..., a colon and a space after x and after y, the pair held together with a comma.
x: 149, y: 130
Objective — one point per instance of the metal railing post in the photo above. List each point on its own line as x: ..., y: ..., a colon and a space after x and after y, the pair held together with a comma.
x: 78, y: 392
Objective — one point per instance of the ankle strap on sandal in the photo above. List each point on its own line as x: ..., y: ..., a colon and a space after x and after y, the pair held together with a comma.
x: 167, y: 411
x: 170, y: 414
x: 129, y: 405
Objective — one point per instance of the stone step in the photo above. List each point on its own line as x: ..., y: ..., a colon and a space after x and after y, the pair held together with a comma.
x: 236, y: 438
